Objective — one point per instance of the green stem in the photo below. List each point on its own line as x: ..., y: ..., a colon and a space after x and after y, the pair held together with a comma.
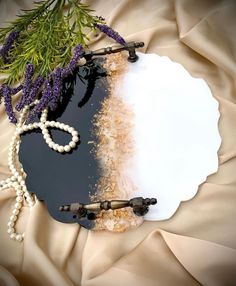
x: 38, y: 13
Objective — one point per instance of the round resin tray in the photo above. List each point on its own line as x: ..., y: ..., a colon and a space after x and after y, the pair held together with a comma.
x: 146, y: 129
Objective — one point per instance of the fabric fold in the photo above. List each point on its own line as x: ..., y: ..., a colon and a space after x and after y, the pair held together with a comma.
x: 6, y: 278
x: 210, y: 263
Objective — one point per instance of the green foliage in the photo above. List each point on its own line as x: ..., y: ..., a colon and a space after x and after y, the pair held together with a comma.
x: 48, y: 34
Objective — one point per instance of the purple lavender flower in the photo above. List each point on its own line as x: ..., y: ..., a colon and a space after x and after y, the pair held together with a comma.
x: 29, y: 71
x: 56, y: 90
x: 46, y: 96
x: 75, y: 58
x: 44, y: 100
x: 111, y: 33
x: 12, y: 91
x: 6, y: 93
x: 16, y: 89
x: 73, y: 62
x: 35, y: 86
x: 9, y: 41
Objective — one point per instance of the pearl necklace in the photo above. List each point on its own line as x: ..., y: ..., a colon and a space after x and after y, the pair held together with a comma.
x: 17, y: 180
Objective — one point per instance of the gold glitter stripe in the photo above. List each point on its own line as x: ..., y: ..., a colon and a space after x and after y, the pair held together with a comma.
x: 113, y: 127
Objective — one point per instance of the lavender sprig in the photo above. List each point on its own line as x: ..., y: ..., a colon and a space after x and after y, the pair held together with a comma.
x: 57, y: 87
x: 35, y: 87
x: 78, y: 52
x: 16, y: 89
x: 6, y: 93
x: 44, y: 100
x: 29, y: 71
x: 12, y: 37
x: 110, y: 33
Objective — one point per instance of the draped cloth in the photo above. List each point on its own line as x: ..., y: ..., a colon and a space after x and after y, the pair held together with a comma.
x: 197, y: 245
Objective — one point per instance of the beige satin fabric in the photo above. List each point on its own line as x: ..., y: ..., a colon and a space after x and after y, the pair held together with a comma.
x: 197, y: 246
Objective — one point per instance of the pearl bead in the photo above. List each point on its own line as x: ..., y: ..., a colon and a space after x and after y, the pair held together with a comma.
x: 74, y: 133
x: 24, y: 189
x: 67, y: 148
x: 13, y: 218
x: 15, y: 185
x: 72, y: 144
x: 61, y: 149
x: 25, y: 128
x: 75, y: 139
x: 16, y: 174
x: 19, y: 237
x: 19, y: 193
x: 19, y: 179
x: 18, y: 188
x: 53, y: 145
x: 11, y: 167
x: 15, y: 211
x: 48, y: 140
x: 31, y: 204
x: 19, y: 199
x: 10, y: 224
x: 18, y: 205
x: 10, y: 230
x: 22, y: 183
x: 13, y: 236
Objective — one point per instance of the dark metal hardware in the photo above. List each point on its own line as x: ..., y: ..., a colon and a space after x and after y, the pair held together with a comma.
x: 139, y: 205
x: 130, y: 47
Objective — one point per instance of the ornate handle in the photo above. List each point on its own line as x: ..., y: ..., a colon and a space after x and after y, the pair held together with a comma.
x: 130, y: 47
x: 140, y: 207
